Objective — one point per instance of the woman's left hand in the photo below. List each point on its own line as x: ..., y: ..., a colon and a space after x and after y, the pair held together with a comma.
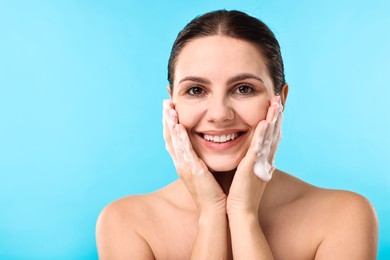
x: 257, y: 167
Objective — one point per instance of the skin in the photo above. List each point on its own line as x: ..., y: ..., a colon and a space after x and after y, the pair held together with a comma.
x: 221, y: 207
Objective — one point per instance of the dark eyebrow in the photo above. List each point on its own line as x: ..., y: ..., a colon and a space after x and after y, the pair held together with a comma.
x: 195, y: 79
x: 230, y: 81
x: 244, y: 76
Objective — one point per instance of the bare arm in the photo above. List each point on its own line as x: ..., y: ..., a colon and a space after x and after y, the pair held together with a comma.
x: 248, y: 240
x: 212, y: 239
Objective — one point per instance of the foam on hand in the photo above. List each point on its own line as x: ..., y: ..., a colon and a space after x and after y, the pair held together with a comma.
x: 262, y: 168
x: 184, y: 155
x: 169, y: 113
x: 264, y: 165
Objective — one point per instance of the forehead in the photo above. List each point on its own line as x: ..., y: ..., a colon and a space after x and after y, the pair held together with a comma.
x: 218, y: 57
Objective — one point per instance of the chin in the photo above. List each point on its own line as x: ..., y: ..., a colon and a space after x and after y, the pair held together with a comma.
x: 221, y: 166
x: 222, y: 162
x: 222, y: 170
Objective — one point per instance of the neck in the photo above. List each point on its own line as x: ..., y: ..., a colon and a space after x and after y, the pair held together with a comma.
x: 224, y: 179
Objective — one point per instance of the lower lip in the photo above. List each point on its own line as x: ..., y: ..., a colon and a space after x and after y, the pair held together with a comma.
x: 221, y: 146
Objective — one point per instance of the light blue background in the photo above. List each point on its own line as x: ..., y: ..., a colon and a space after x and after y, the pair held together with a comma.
x: 81, y: 87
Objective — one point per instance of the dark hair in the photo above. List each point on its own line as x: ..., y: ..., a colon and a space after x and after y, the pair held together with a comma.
x: 237, y: 25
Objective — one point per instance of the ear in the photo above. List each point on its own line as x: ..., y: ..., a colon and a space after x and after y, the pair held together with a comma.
x: 283, y: 94
x: 169, y: 91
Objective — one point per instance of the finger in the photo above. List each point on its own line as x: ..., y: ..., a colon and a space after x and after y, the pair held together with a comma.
x: 276, y: 131
x: 277, y: 136
x: 273, y: 134
x: 267, y: 142
x: 273, y: 109
x: 169, y: 120
x: 169, y: 113
x: 167, y: 138
x: 247, y: 164
x: 274, y: 112
x: 259, y: 137
x: 189, y: 157
x: 196, y: 177
x: 178, y: 141
x: 262, y: 141
x: 262, y: 168
x: 271, y: 121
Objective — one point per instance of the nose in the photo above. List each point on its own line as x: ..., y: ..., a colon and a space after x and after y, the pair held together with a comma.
x: 219, y: 110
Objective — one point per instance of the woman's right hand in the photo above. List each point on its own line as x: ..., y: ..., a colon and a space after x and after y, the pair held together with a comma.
x: 201, y: 184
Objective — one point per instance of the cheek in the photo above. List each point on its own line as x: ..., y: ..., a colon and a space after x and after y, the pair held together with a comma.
x: 249, y: 112
x: 188, y: 114
x: 253, y: 113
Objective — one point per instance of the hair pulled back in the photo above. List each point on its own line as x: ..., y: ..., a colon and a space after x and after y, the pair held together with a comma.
x: 237, y: 25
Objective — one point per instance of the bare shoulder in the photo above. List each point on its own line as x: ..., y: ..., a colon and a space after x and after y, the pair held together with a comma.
x: 346, y: 221
x: 117, y: 229
x: 336, y: 205
x: 133, y: 227
x: 333, y: 224
x: 351, y: 230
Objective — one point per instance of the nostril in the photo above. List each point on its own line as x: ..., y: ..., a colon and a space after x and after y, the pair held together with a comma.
x: 220, y: 113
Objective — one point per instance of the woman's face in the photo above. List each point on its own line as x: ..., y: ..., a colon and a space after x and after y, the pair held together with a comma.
x: 222, y: 90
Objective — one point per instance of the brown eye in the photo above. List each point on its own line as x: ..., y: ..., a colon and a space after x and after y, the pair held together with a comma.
x: 244, y: 89
x: 195, y: 91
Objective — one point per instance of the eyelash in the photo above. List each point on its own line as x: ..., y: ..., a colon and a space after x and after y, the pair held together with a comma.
x: 251, y: 89
x: 190, y: 90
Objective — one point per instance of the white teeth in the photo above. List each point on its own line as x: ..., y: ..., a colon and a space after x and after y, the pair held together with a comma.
x: 220, y: 138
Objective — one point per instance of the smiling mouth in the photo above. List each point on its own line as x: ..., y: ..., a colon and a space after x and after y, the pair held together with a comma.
x: 221, y: 138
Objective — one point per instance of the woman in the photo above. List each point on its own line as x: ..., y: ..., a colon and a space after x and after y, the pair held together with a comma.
x: 222, y: 126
